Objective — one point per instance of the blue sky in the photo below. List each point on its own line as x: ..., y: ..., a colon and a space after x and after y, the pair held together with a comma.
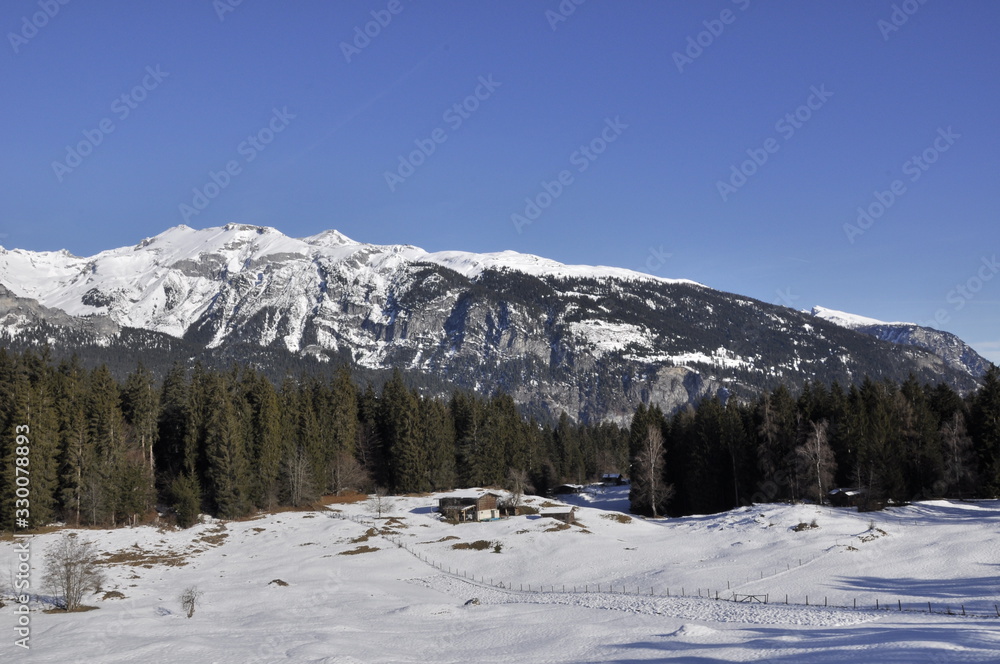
x: 729, y: 142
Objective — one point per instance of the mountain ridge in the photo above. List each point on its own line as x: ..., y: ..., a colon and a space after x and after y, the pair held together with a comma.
x: 588, y: 340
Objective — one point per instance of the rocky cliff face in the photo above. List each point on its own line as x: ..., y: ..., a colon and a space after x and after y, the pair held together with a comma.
x: 590, y: 341
x: 955, y: 353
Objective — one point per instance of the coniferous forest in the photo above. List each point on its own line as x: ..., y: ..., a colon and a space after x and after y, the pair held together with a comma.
x: 228, y: 443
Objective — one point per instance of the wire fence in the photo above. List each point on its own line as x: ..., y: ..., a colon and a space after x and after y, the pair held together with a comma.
x: 731, y: 594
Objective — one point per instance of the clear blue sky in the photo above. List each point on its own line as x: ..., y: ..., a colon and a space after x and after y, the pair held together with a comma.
x: 650, y: 200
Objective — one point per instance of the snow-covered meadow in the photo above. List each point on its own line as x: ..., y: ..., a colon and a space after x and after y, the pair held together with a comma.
x: 318, y: 587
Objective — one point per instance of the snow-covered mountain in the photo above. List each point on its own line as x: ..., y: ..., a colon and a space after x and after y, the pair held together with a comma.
x: 955, y: 352
x: 592, y: 341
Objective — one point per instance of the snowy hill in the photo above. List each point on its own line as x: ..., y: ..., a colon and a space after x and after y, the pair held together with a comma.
x: 590, y: 341
x: 305, y: 587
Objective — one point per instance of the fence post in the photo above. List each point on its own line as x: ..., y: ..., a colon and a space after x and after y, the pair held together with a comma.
x: 900, y: 602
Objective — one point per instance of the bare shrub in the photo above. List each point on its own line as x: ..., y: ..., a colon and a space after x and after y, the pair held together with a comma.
x: 189, y: 598
x: 72, y: 570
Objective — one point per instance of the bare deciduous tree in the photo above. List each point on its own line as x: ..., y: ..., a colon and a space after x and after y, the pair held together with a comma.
x: 71, y: 570
x: 958, y: 462
x: 649, y: 488
x: 816, y: 460
x: 347, y: 473
x: 517, y: 481
x: 300, y: 485
x: 379, y: 503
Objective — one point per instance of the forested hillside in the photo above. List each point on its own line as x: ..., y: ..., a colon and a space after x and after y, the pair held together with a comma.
x: 228, y: 443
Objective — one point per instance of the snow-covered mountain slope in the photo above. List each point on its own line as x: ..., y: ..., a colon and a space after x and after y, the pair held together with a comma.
x: 307, y: 588
x: 591, y: 341
x: 955, y: 352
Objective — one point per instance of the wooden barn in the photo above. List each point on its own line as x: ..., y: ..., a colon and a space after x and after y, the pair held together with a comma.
x: 564, y: 514
x: 846, y: 497
x: 484, y: 507
x: 613, y: 479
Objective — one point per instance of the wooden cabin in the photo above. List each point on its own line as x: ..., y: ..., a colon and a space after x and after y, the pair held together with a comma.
x: 484, y: 507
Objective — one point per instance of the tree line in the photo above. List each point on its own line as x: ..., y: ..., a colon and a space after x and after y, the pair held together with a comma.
x: 231, y: 442
x: 228, y: 443
x: 894, y: 442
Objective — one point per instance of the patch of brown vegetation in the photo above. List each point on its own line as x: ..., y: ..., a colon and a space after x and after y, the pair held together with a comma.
x: 617, y: 517
x: 478, y: 545
x: 370, y: 533
x: 278, y: 582
x: 136, y: 556
x: 79, y: 609
x: 113, y: 594
x: 445, y: 539
x: 558, y: 527
x: 360, y: 549
x: 344, y: 498
x: 258, y: 530
x: 216, y: 536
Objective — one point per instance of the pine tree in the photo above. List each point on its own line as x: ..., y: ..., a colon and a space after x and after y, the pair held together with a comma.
x: 266, y: 444
x: 226, y: 463
x: 398, y: 415
x: 173, y: 420
x: 186, y: 499
x: 984, y: 427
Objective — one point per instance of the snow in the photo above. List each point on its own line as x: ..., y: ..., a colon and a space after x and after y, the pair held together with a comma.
x: 608, y: 337
x: 847, y: 320
x: 408, y: 603
x: 168, y: 282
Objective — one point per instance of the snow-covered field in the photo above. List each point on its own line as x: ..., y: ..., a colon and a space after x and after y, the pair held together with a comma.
x: 392, y: 603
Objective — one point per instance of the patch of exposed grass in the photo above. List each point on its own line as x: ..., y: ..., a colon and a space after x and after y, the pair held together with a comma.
x: 113, y: 594
x: 360, y: 549
x: 136, y: 556
x: 343, y: 498
x: 617, y: 517
x: 370, y: 533
x: 556, y: 528
x: 216, y: 536
x: 444, y: 539
x: 478, y: 545
x: 79, y: 609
